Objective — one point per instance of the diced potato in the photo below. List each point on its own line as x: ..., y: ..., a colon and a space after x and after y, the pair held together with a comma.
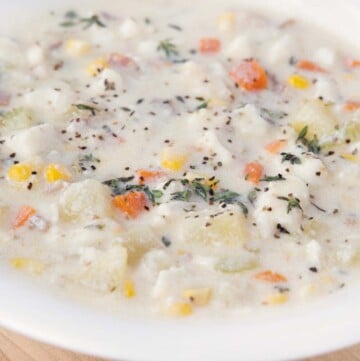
x: 226, y: 21
x: 105, y: 272
x: 16, y: 119
x: 198, y: 296
x: 28, y: 264
x: 179, y: 309
x: 236, y: 265
x: 138, y: 243
x: 317, y: 116
x: 84, y: 201
x: 77, y: 47
x: 228, y: 228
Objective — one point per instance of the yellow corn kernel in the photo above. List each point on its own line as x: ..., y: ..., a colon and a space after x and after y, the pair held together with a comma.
x: 28, y: 264
x: 298, y: 82
x: 129, y: 289
x: 76, y: 47
x: 173, y: 162
x: 276, y: 299
x: 179, y: 309
x: 54, y: 173
x: 97, y: 66
x: 198, y: 296
x: 215, y: 102
x: 350, y: 157
x: 19, y: 173
x: 226, y: 21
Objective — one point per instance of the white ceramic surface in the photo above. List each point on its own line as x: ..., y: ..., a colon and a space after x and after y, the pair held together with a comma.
x: 283, y: 334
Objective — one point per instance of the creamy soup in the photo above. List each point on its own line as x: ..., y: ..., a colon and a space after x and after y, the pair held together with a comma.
x: 180, y: 158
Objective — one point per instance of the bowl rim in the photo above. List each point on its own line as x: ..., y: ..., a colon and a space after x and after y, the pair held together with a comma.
x: 298, y: 332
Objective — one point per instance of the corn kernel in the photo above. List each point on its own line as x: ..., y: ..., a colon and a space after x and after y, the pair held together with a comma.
x: 179, y: 309
x: 19, y: 173
x: 173, y: 162
x: 97, y: 66
x: 298, y: 82
x: 350, y: 157
x: 198, y: 296
x: 54, y: 173
x: 226, y: 21
x: 28, y: 264
x: 129, y: 289
x: 215, y: 102
x: 76, y: 47
x: 276, y: 299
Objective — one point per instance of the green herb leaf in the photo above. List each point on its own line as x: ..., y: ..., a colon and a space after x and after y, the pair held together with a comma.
x: 252, y: 196
x: 288, y: 157
x: 243, y: 208
x: 203, y: 105
x: 226, y: 196
x: 292, y: 203
x: 71, y: 14
x: 302, y: 134
x: 89, y: 158
x: 182, y: 196
x: 92, y: 20
x: 202, y: 190
x: 168, y: 48
x: 276, y: 178
x: 86, y: 107
x: 272, y: 116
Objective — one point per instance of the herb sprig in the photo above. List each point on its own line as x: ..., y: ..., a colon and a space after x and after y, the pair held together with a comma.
x: 292, y: 203
x: 312, y: 144
x: 71, y: 18
x: 89, y: 108
x: 168, y: 47
x: 288, y: 157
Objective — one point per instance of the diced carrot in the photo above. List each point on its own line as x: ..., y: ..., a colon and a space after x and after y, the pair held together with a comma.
x: 209, y: 45
x: 148, y: 175
x: 353, y: 63
x: 270, y: 276
x: 351, y: 106
x: 24, y: 214
x: 275, y: 146
x: 310, y: 66
x: 132, y: 204
x: 117, y: 60
x: 249, y: 75
x: 253, y: 172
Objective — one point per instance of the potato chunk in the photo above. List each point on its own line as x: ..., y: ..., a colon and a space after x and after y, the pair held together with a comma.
x: 84, y: 201
x: 317, y: 116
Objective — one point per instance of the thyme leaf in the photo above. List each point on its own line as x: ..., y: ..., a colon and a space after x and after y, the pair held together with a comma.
x: 92, y: 20
x: 168, y: 48
x: 292, y: 203
x: 313, y: 144
x: 288, y: 157
x: 89, y: 108
x: 276, y: 178
x: 89, y: 158
x: 183, y: 196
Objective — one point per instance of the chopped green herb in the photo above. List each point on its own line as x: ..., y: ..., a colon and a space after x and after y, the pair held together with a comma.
x: 92, y: 20
x: 202, y: 190
x: 252, y: 196
x: 181, y: 196
x: 226, y: 196
x: 89, y: 158
x: 203, y: 105
x: 288, y: 157
x: 272, y: 116
x: 168, y: 48
x: 276, y: 178
x: 313, y: 144
x: 292, y: 203
x: 86, y: 107
x: 71, y: 14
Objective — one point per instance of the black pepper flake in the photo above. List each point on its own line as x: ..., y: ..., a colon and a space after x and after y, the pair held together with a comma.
x: 29, y: 186
x: 313, y: 269
x: 165, y: 241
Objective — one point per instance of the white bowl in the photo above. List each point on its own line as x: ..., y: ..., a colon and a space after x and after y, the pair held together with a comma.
x: 281, y: 334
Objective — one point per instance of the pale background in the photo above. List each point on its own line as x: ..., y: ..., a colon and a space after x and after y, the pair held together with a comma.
x: 14, y: 347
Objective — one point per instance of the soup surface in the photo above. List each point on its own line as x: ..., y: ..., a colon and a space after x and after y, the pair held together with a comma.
x: 175, y: 161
